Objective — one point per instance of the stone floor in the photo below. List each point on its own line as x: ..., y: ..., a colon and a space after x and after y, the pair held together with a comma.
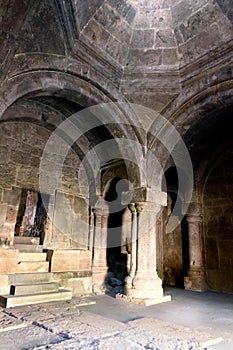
x: 190, y: 321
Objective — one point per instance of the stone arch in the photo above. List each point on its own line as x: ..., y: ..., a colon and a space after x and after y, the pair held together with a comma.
x: 123, y: 169
x: 181, y: 115
x: 212, y: 107
x: 199, y: 108
x: 50, y: 82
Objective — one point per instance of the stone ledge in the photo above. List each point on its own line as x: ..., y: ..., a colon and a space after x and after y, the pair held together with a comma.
x: 72, y: 274
x: 144, y: 302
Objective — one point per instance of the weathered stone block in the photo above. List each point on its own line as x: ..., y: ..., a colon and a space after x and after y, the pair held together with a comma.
x: 165, y: 38
x: 18, y: 157
x: 181, y: 11
x: 141, y: 21
x: 143, y: 38
x: 3, y: 211
x: 130, y: 15
x: 85, y: 10
x: 162, y: 19
x: 145, y: 58
x: 8, y: 261
x: 96, y: 34
x: 118, y: 51
x: 70, y: 260
x: 4, y: 155
x: 106, y: 16
x: 124, y: 8
x: 170, y: 57
x: 28, y: 177
x: 12, y: 197
x: 79, y: 286
x: 7, y: 176
x: 11, y: 214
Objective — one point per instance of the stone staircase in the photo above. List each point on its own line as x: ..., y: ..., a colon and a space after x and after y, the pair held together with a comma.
x: 28, y: 244
x: 32, y: 282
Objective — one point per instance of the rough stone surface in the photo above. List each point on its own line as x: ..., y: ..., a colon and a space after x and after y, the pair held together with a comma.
x: 28, y: 338
x: 63, y: 326
x: 8, y: 323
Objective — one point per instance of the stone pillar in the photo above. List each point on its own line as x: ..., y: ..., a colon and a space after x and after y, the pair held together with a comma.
x: 146, y: 285
x: 159, y: 246
x: 48, y: 227
x: 91, y: 231
x: 195, y: 280
x: 99, y: 263
x: 126, y: 232
x: 133, y: 252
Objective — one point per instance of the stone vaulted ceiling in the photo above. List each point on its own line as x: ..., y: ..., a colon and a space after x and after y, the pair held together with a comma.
x: 143, y: 34
x: 133, y: 43
x: 134, y: 34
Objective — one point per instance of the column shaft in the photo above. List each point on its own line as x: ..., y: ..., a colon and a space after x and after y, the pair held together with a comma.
x: 196, y: 276
x: 99, y: 264
x: 133, y: 254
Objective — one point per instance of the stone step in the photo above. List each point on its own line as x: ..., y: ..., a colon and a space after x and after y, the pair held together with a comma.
x: 33, y: 266
x: 27, y: 278
x: 35, y: 288
x: 24, y: 256
x: 30, y: 248
x: 19, y: 300
x: 26, y: 240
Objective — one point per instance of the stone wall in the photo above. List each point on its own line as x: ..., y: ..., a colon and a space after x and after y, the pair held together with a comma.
x: 21, y: 149
x: 218, y: 225
x: 9, y: 205
x: 70, y: 222
x: 21, y: 146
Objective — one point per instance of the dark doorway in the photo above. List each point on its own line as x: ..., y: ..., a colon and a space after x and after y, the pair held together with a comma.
x: 38, y: 230
x: 32, y: 214
x: 176, y: 243
x: 116, y: 260
x: 185, y: 247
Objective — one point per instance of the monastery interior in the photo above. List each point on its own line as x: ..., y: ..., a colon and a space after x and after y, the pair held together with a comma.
x: 115, y: 148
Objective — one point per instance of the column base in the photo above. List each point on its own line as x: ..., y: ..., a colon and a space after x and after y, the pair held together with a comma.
x: 195, y: 281
x: 99, y: 275
x: 144, y: 290
x: 144, y: 302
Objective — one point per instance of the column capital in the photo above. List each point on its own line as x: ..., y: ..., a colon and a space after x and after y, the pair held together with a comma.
x: 148, y: 207
x: 99, y: 205
x: 140, y: 206
x: 132, y: 208
x: 100, y: 211
x: 194, y: 209
x: 194, y: 212
x: 194, y: 218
